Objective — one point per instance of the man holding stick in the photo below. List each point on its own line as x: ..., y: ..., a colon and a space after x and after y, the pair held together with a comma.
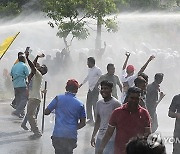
x: 35, y: 79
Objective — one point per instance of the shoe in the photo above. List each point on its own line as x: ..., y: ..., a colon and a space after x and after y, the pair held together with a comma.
x: 16, y: 115
x: 35, y: 136
x: 13, y: 106
x: 24, y: 127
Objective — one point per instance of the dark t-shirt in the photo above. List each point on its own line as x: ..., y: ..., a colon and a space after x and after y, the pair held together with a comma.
x: 152, y: 97
x: 175, y: 107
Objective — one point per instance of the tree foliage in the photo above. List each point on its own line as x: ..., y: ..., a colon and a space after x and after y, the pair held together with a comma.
x: 11, y: 8
x: 70, y: 16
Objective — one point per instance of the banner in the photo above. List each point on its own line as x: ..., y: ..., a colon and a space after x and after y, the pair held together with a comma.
x: 6, y: 44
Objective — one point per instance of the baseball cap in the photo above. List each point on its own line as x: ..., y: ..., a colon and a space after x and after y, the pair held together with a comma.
x: 73, y: 83
x: 130, y: 68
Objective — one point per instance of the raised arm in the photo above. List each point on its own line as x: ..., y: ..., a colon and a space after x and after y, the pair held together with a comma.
x: 33, y: 69
x: 36, y: 59
x: 127, y: 58
x: 146, y: 64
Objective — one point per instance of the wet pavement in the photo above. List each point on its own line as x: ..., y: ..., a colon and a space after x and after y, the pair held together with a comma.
x: 14, y: 140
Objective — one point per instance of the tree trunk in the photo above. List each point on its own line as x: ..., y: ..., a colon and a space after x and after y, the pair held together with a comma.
x: 98, y: 35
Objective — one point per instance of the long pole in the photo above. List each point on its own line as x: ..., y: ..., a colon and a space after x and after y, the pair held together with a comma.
x: 44, y: 102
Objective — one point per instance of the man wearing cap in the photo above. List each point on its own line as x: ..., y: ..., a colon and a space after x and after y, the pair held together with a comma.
x: 19, y: 73
x: 94, y: 73
x: 153, y: 98
x: 128, y: 76
x: 69, y: 117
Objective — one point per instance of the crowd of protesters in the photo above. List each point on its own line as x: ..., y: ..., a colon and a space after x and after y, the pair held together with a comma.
x: 122, y: 120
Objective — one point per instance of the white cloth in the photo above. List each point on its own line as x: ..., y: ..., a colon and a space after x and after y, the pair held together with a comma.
x: 93, y: 76
x: 129, y: 79
x: 129, y: 83
x: 104, y: 110
x: 35, y: 89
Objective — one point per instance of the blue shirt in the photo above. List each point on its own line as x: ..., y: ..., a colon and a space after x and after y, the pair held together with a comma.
x: 19, y: 73
x: 68, y: 111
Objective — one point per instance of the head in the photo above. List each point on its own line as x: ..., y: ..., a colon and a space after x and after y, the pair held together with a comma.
x: 58, y: 54
x: 130, y: 70
x: 110, y: 69
x: 139, y: 145
x: 106, y: 88
x: 21, y: 58
x: 72, y: 86
x: 43, y: 69
x: 133, y: 96
x: 145, y: 76
x: 91, y: 62
x: 20, y: 53
x: 158, y: 78
x: 140, y: 82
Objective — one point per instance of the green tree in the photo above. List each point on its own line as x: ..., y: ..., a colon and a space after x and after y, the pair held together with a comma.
x: 66, y: 16
x: 99, y: 9
x: 70, y: 17
x: 9, y: 9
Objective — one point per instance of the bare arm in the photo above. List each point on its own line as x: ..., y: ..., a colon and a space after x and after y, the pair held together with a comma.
x: 82, y: 123
x: 36, y: 59
x: 96, y: 128
x: 119, y: 84
x: 106, y: 138
x: 146, y: 64
x: 127, y: 58
x: 33, y: 69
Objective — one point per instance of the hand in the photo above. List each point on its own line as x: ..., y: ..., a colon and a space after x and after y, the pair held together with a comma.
x: 127, y: 53
x: 151, y: 57
x: 41, y: 55
x: 44, y: 91
x: 93, y: 142
x: 162, y: 95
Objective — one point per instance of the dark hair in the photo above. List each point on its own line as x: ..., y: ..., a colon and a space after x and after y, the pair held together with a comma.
x: 91, y: 60
x: 139, y: 145
x: 45, y: 69
x: 107, y: 83
x: 145, y: 76
x: 20, y: 53
x: 158, y: 76
x: 21, y: 58
x: 133, y: 90
x: 139, y: 80
x: 110, y: 65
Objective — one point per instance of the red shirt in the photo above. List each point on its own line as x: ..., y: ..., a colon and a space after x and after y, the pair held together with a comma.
x: 128, y: 125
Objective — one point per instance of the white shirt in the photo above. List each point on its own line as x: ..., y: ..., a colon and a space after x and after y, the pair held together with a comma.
x: 93, y: 76
x: 129, y: 79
